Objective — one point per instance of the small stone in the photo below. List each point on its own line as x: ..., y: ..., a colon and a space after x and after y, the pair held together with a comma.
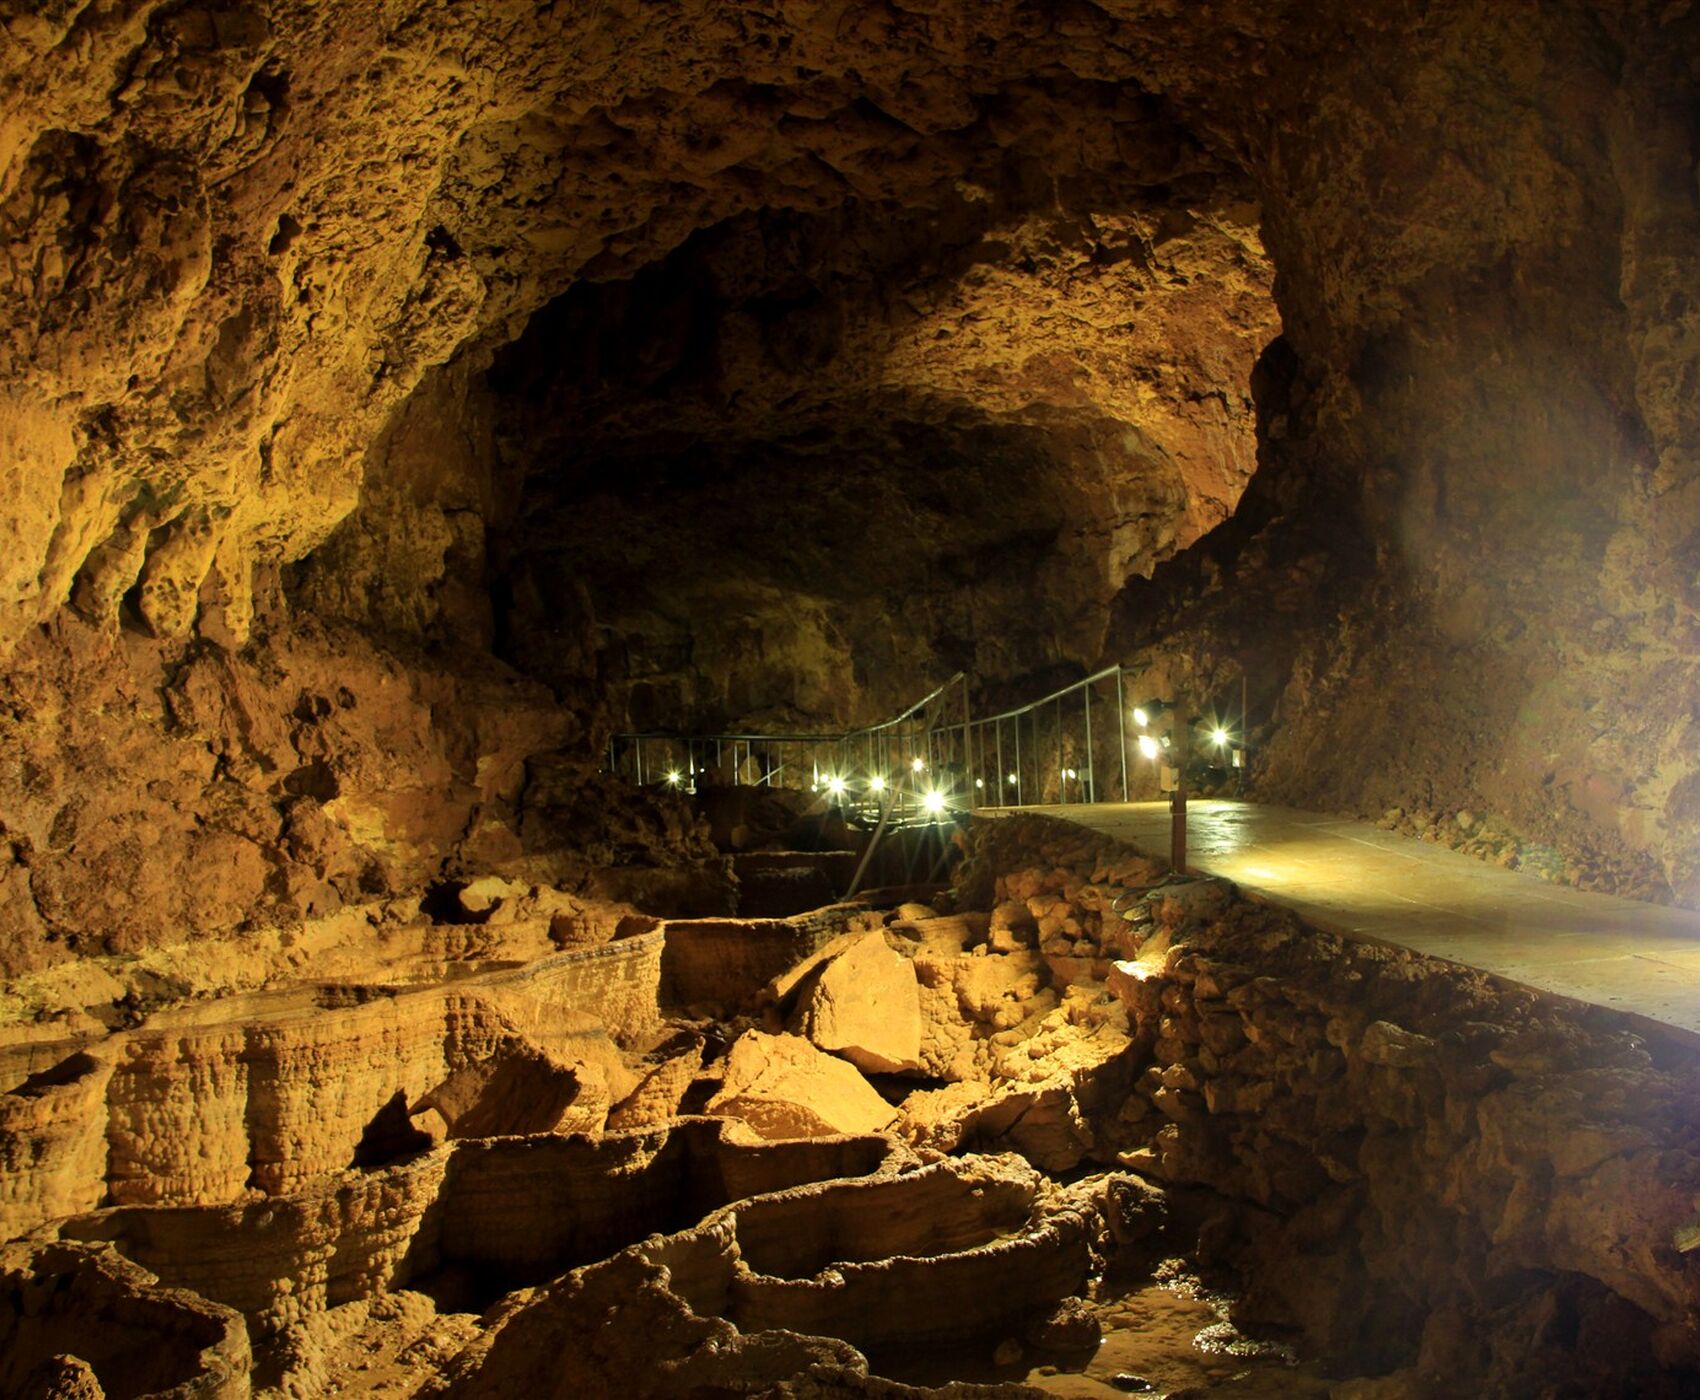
x: 1134, y: 1385
x: 1070, y: 1326
x: 1466, y: 820
x: 1009, y: 1353
x: 1384, y: 1043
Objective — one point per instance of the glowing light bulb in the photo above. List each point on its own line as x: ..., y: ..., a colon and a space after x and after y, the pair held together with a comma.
x: 979, y: 782
x: 674, y: 777
x: 1012, y: 780
x: 835, y: 786
x: 1141, y: 718
x: 1148, y: 746
x: 1218, y: 736
x: 918, y: 765
x: 876, y: 784
x: 933, y: 801
x: 1070, y: 774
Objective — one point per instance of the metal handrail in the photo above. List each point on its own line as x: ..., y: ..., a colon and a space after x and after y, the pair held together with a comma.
x: 961, y: 677
x: 1054, y: 695
x: 880, y: 733
x: 959, y: 751
x: 1003, y: 779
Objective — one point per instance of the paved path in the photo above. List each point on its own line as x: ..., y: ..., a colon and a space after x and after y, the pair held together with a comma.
x: 1354, y: 879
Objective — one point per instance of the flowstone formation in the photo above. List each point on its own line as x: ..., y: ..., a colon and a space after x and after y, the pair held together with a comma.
x: 1063, y: 1129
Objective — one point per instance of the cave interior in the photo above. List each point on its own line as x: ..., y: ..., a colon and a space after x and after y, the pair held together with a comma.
x: 466, y: 466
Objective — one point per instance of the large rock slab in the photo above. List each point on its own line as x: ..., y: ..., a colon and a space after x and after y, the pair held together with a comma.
x: 784, y: 1087
x: 866, y: 1007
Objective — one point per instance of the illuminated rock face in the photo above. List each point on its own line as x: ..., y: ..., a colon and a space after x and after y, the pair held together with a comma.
x: 393, y: 406
x: 724, y: 363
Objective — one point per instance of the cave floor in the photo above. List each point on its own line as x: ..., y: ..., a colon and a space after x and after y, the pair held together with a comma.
x: 1361, y: 882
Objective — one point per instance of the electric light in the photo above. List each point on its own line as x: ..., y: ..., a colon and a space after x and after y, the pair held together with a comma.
x: 918, y: 765
x: 876, y: 784
x: 1140, y: 717
x: 933, y: 801
x: 1013, y: 780
x: 673, y: 776
x: 1218, y: 736
x: 1070, y: 774
x: 979, y: 782
x: 1148, y: 746
x: 835, y: 786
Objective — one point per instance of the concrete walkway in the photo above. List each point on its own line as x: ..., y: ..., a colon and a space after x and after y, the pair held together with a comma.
x: 1357, y: 880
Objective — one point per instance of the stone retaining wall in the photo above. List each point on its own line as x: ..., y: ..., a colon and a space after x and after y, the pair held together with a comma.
x: 1431, y: 1166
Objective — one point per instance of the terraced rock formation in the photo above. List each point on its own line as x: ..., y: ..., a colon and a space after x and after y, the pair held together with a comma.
x: 452, y: 1178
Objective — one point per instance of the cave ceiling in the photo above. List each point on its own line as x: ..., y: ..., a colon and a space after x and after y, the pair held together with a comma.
x: 240, y: 236
x: 392, y: 315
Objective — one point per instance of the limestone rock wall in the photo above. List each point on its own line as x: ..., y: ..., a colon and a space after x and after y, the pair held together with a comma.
x: 515, y: 1211
x: 271, y: 1092
x: 1464, y: 579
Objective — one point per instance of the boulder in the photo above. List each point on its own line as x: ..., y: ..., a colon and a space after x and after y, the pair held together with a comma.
x: 783, y: 1087
x: 64, y: 1377
x: 864, y: 1006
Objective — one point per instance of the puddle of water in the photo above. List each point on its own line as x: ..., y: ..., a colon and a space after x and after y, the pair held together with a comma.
x: 1168, y: 1330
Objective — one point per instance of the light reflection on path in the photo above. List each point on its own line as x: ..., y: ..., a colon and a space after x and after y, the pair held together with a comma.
x: 1362, y: 882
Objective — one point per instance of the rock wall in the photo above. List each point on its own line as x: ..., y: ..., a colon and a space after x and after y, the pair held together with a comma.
x: 948, y: 317
x: 1432, y: 1164
x: 1465, y: 583
x: 270, y: 1092
x: 511, y: 1211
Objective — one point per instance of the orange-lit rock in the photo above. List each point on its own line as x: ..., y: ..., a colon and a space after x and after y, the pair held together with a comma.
x: 864, y: 1006
x: 783, y: 1087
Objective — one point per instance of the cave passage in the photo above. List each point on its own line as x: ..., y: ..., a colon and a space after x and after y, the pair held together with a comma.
x: 606, y: 614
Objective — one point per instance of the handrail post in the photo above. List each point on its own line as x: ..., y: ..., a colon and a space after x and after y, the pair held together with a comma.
x: 1062, y: 782
x: 1091, y: 784
x: 1121, y: 731
x: 1182, y: 726
x: 968, y: 765
x: 1018, y: 772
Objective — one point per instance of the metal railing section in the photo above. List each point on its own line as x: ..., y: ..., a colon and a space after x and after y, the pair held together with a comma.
x: 905, y: 762
x: 1078, y: 744
x: 1082, y: 743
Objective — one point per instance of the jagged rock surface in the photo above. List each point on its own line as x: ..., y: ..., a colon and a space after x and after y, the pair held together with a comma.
x: 1397, y: 1122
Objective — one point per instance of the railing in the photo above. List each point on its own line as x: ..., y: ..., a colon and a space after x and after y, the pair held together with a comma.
x: 908, y: 761
x: 1081, y: 743
x: 1011, y: 772
x: 1093, y: 742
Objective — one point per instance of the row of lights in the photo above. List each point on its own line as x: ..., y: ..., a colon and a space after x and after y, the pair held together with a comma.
x: 934, y: 801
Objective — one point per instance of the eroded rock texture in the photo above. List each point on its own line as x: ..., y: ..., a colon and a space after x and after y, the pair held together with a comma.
x: 396, y: 402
